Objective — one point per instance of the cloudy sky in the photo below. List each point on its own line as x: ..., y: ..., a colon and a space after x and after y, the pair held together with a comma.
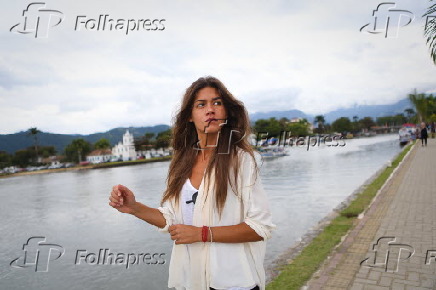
x: 273, y: 55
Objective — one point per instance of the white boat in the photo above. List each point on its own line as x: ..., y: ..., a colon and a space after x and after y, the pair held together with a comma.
x: 272, y: 151
x: 406, y: 134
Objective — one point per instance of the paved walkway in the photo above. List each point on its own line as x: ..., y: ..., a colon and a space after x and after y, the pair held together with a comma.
x: 394, y: 244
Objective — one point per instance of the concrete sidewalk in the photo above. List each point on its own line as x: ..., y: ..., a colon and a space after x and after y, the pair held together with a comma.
x: 394, y: 244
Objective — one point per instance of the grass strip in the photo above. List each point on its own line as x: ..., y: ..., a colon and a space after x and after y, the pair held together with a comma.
x: 132, y: 162
x: 299, y: 271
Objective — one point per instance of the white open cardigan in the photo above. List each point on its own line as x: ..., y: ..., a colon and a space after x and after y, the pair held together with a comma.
x: 223, y: 265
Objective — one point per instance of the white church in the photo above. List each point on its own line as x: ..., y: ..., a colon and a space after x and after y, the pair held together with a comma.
x: 125, y: 150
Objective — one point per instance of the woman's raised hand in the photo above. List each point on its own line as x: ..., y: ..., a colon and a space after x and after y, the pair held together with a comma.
x: 122, y: 199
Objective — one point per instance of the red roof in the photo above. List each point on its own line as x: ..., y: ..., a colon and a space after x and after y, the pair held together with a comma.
x: 100, y: 152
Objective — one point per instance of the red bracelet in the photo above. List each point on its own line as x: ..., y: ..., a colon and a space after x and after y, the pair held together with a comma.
x: 204, y: 232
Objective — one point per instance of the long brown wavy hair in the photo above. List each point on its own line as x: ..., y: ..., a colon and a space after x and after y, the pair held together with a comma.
x: 224, y: 157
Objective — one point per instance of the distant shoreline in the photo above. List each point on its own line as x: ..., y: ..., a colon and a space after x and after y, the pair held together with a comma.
x: 91, y: 166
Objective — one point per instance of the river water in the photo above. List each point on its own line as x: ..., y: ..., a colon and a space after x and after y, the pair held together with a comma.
x: 67, y: 213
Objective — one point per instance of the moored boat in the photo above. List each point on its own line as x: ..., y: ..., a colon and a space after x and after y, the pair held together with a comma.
x: 272, y: 151
x: 407, y: 133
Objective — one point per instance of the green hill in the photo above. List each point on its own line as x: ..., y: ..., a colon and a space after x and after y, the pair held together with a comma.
x: 21, y: 140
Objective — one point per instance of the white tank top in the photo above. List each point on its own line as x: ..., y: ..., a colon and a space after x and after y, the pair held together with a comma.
x: 187, y: 196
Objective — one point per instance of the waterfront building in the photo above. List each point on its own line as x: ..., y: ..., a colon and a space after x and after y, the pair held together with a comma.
x: 99, y: 156
x: 125, y: 150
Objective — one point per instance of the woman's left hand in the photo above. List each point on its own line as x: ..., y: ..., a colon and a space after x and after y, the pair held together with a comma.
x: 184, y: 234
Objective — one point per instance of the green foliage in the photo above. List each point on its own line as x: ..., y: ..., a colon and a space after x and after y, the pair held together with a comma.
x: 131, y: 162
x: 273, y: 127
x: 319, y: 121
x: 362, y: 201
x: 103, y: 143
x: 22, y: 158
x: 46, y: 151
x: 342, y: 124
x: 430, y: 30
x: 34, y: 132
x: 163, y: 139
x: 425, y: 105
x: 328, y: 128
x: 298, y: 129
x: 409, y: 113
x: 356, y: 125
x: 396, y: 120
x: 367, y: 123
x: 149, y: 136
x: 25, y: 157
x: 283, y: 121
x: 5, y: 159
x: 307, y: 262
x: 145, y: 141
x: 77, y: 150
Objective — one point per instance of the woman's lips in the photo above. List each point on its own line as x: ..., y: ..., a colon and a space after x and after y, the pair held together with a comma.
x: 210, y: 120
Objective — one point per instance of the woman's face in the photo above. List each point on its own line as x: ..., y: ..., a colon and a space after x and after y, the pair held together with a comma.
x: 208, y: 112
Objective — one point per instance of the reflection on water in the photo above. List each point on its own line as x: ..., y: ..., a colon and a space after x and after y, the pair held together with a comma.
x: 71, y: 209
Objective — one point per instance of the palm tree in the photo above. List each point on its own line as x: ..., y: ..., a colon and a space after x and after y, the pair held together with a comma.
x: 421, y: 104
x: 409, y: 112
x: 34, y: 132
x: 430, y: 30
x: 320, y: 120
x: 356, y: 125
x: 79, y: 146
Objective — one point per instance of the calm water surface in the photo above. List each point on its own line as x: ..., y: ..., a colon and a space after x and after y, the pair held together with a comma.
x: 70, y: 210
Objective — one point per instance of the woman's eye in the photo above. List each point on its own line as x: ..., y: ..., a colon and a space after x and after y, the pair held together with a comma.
x: 218, y: 103
x: 200, y: 105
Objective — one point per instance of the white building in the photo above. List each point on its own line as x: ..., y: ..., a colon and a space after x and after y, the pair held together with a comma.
x: 126, y: 149
x: 99, y: 156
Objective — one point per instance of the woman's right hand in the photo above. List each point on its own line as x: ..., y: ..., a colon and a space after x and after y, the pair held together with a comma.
x: 122, y: 199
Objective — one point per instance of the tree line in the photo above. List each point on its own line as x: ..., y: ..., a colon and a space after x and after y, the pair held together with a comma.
x: 77, y: 150
x: 424, y: 110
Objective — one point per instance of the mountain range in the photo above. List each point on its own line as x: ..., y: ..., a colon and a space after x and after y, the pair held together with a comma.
x: 21, y: 140
x: 360, y: 111
x: 13, y: 142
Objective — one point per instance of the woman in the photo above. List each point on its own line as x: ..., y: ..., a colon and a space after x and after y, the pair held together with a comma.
x: 214, y: 207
